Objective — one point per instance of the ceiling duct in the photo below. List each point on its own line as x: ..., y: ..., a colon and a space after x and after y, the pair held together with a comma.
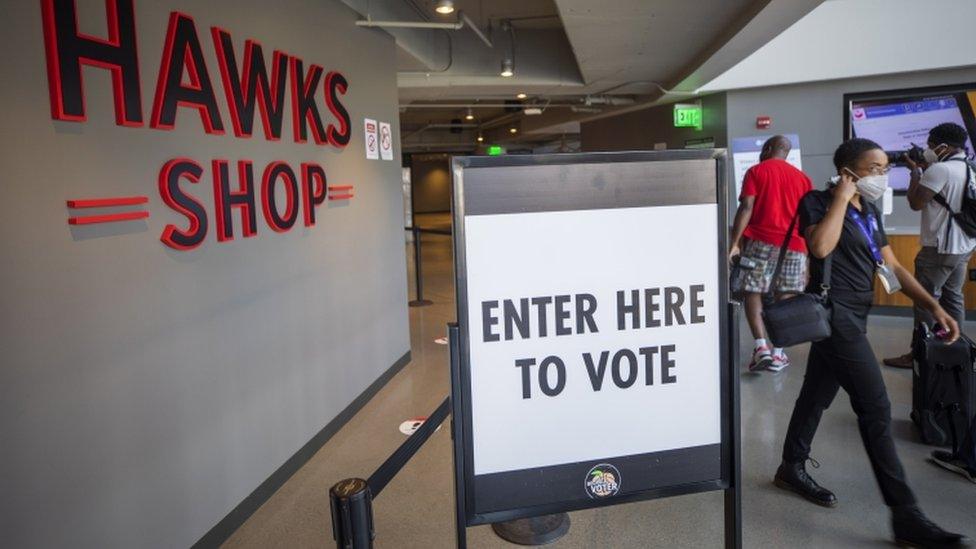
x: 607, y: 100
x: 512, y: 105
x: 462, y: 21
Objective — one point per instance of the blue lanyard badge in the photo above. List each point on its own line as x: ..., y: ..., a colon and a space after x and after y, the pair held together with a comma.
x: 867, y: 227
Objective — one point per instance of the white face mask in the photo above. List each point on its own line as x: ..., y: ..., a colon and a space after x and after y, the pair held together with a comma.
x: 930, y: 155
x: 872, y: 187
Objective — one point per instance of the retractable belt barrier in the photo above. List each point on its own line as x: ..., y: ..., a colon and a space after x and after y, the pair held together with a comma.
x: 351, y: 500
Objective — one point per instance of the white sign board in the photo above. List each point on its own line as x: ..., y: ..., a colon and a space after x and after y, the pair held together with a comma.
x: 630, y: 375
x: 386, y: 141
x: 745, y: 154
x: 372, y: 139
x: 592, y: 359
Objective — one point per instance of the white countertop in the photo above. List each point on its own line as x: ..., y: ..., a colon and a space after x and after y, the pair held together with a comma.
x: 893, y: 230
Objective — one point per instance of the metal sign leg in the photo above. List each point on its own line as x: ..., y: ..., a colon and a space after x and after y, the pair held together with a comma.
x: 460, y: 522
x: 733, y: 495
x: 533, y: 531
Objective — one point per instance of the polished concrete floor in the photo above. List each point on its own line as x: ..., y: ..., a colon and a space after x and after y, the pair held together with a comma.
x: 416, y: 509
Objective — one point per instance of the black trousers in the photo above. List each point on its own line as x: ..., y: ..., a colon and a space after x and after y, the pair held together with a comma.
x: 846, y: 360
x: 967, y: 452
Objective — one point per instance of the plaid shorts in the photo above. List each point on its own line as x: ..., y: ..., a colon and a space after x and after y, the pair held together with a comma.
x: 792, y: 277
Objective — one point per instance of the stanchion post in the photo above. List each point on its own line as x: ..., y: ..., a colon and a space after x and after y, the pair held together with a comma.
x: 352, y: 514
x: 733, y: 495
x: 417, y: 271
x: 460, y: 523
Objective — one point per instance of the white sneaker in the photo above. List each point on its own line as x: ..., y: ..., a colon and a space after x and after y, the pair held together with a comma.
x: 779, y: 363
x: 761, y: 359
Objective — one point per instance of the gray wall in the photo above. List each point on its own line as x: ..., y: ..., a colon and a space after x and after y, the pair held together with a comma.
x: 640, y: 130
x: 144, y: 392
x: 815, y: 112
x: 431, y: 178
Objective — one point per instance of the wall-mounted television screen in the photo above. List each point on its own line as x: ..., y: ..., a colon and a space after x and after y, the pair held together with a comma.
x: 899, y: 118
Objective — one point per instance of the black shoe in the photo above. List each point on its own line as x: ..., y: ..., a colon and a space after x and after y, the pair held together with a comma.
x: 912, y: 529
x: 948, y: 460
x: 794, y: 477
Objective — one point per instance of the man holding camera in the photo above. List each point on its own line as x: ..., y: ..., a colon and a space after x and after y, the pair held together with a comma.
x: 941, y: 265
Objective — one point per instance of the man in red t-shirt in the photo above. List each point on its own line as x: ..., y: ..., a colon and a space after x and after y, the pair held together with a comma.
x: 771, y: 192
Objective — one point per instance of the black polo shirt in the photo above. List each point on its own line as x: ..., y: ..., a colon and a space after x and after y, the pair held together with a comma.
x: 853, y: 268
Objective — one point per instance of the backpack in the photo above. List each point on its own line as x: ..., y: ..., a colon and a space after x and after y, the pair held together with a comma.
x: 965, y: 218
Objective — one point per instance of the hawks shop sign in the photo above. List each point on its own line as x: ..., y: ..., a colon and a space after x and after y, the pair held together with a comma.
x: 184, y: 81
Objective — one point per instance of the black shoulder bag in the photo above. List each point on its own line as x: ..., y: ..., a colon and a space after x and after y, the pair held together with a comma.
x: 802, y: 318
x: 966, y: 216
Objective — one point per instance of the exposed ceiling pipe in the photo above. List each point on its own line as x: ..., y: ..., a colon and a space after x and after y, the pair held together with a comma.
x: 607, y: 100
x: 415, y: 43
x: 498, y: 121
x: 438, y: 126
x: 462, y: 20
x: 461, y: 125
x: 661, y: 89
x: 449, y: 145
x: 450, y: 59
x: 474, y: 28
x: 438, y: 144
x: 410, y: 24
x: 488, y: 105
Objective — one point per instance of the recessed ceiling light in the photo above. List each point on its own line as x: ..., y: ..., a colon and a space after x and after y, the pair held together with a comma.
x: 480, y: 138
x: 513, y: 130
x: 508, y: 68
x: 521, y: 96
x: 444, y: 6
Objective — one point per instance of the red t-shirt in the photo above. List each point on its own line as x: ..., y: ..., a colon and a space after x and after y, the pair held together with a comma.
x: 778, y: 188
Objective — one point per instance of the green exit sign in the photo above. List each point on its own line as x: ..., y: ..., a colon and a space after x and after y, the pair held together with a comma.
x: 688, y: 115
x: 495, y: 150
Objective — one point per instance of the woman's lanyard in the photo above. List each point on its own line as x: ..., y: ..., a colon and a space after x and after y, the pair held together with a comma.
x: 867, y: 226
x: 867, y: 229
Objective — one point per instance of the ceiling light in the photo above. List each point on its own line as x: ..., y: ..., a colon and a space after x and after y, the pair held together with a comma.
x: 480, y: 138
x: 521, y: 96
x: 513, y: 130
x: 508, y: 68
x: 444, y: 6
x: 470, y: 115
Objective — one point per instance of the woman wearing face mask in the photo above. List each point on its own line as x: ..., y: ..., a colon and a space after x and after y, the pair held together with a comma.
x: 848, y: 250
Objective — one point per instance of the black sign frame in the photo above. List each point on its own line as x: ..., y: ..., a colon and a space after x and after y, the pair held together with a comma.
x: 728, y: 477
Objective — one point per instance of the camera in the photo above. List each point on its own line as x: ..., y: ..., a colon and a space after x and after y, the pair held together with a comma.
x: 897, y: 158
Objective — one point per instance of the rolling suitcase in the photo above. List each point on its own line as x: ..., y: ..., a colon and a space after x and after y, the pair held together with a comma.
x: 943, y: 387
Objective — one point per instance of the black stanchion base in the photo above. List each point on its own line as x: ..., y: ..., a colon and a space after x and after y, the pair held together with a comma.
x: 420, y: 303
x: 533, y: 531
x: 351, y: 503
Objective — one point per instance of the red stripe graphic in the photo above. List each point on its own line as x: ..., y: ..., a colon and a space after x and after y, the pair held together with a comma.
x: 340, y: 187
x: 103, y: 202
x: 340, y: 196
x: 128, y: 216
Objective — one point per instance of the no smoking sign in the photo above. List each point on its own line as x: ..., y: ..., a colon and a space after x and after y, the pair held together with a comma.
x: 372, y: 151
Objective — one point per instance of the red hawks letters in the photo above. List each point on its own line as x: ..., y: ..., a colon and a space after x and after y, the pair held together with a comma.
x: 254, y: 86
